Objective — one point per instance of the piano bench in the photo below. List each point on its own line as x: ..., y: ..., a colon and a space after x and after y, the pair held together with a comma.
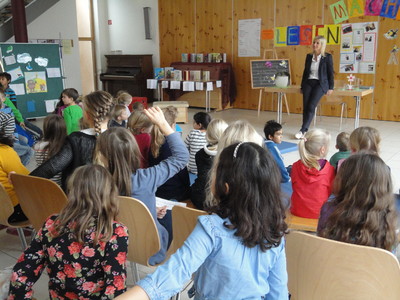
x: 182, y: 107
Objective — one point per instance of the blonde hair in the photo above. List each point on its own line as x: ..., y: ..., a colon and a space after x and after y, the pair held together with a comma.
x: 92, y: 201
x: 365, y: 138
x: 138, y: 120
x: 310, y: 147
x: 98, y: 106
x: 239, y: 131
x: 157, y: 138
x: 117, y: 111
x: 124, y: 98
x: 214, y: 132
x: 117, y: 149
x: 323, y: 42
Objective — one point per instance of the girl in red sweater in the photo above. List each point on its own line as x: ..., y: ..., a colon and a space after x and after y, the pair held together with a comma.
x: 312, y: 175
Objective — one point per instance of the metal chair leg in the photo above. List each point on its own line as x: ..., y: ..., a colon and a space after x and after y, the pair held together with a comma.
x: 22, y: 238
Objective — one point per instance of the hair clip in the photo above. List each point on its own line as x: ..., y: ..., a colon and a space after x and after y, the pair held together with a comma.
x: 236, y: 149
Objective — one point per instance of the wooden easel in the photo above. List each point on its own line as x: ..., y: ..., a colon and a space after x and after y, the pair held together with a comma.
x: 274, y: 56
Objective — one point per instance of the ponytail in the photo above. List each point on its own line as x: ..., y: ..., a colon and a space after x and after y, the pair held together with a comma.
x: 310, y: 147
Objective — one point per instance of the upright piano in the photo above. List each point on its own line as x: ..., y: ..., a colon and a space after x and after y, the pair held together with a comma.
x: 129, y: 73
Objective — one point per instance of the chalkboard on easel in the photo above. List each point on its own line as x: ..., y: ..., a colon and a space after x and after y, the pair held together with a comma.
x: 36, y: 72
x: 264, y: 71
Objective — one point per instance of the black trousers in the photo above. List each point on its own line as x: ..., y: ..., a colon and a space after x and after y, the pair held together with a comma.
x: 312, y: 93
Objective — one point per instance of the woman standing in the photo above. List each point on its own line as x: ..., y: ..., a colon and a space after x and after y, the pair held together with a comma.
x: 317, y: 81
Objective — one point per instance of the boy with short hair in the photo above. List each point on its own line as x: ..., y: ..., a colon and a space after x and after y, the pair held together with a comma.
x: 343, y: 145
x: 273, y: 134
x: 119, y: 116
x: 5, y: 79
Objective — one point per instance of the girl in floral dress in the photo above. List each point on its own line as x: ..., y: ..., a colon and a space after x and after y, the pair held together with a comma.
x: 83, y: 248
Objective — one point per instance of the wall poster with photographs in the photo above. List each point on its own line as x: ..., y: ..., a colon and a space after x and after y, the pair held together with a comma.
x: 358, y: 48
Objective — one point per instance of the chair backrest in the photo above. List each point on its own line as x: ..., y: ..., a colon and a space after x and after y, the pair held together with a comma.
x: 320, y: 268
x: 144, y: 241
x: 39, y: 197
x: 6, y: 207
x: 184, y: 219
x: 299, y: 223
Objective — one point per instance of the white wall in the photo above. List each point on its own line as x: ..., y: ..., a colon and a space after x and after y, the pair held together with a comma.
x: 127, y: 30
x: 59, y: 22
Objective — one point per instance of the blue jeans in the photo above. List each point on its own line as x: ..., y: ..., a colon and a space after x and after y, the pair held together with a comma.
x: 25, y: 153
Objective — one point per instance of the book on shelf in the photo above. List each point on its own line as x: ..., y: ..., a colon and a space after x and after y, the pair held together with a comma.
x: 200, y: 58
x: 185, y: 57
x: 169, y: 73
x: 206, y: 75
x: 158, y: 73
x: 177, y: 75
x: 195, y: 75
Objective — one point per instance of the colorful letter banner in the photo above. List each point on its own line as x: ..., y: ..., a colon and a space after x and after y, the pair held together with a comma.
x: 280, y: 36
x: 355, y: 8
x: 390, y: 8
x: 373, y: 7
x: 339, y: 12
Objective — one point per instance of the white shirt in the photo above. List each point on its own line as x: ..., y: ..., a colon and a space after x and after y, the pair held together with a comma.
x: 314, y: 67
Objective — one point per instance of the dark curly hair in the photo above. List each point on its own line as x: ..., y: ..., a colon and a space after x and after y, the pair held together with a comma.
x: 246, y: 189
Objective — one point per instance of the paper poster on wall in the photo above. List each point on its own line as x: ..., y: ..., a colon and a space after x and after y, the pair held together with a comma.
x: 393, y: 56
x: 249, y: 38
x: 369, y: 47
x: 53, y: 72
x: 16, y: 74
x: 391, y: 34
x: 19, y: 88
x: 10, y: 60
x: 31, y: 105
x: 35, y: 82
x: 41, y: 61
x: 24, y: 58
x: 361, y: 41
x: 51, y: 105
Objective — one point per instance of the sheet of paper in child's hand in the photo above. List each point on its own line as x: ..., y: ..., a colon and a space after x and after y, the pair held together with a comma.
x: 169, y: 204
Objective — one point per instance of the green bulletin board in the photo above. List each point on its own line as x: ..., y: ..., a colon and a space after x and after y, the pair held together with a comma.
x: 36, y: 72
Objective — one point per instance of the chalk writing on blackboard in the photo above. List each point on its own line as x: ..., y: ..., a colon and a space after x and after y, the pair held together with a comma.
x: 264, y: 71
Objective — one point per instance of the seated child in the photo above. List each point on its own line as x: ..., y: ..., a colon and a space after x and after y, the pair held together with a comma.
x: 54, y: 136
x: 196, y: 138
x: 238, y: 252
x: 273, y: 134
x: 125, y: 99
x: 140, y: 126
x: 83, y: 248
x: 178, y: 186
x: 119, y: 116
x: 11, y: 101
x: 363, y: 210
x: 312, y: 175
x: 204, y: 161
x: 137, y: 106
x: 72, y: 112
x: 10, y: 162
x: 343, y: 145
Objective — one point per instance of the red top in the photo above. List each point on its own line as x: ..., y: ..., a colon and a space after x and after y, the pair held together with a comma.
x: 311, y: 189
x: 143, y: 140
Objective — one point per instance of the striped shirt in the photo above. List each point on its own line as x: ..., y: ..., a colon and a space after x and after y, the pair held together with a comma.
x: 9, y: 92
x: 7, y: 124
x: 41, y: 156
x: 194, y: 142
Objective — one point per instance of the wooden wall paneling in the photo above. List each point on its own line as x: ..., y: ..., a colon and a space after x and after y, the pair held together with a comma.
x: 292, y: 13
x: 214, y: 27
x: 247, y: 97
x: 386, y: 105
x: 176, y: 29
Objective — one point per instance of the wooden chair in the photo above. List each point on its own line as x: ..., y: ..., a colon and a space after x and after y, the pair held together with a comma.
x: 302, y: 224
x: 333, y: 100
x: 39, y: 197
x: 144, y: 241
x: 184, y: 219
x: 319, y: 268
x: 6, y: 209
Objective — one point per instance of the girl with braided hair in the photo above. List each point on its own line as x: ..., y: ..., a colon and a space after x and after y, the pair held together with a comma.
x: 79, y: 146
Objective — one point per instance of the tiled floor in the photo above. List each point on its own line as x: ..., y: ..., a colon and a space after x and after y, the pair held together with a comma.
x: 10, y: 247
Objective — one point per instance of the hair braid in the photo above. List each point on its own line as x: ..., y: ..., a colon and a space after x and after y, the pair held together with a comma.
x: 98, y: 105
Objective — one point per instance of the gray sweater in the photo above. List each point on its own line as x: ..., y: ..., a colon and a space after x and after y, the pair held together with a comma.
x: 146, y: 181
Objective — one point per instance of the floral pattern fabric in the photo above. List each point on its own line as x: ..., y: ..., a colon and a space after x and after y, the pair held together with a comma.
x: 76, y: 271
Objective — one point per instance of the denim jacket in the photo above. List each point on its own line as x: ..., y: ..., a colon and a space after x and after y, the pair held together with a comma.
x: 225, y: 268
